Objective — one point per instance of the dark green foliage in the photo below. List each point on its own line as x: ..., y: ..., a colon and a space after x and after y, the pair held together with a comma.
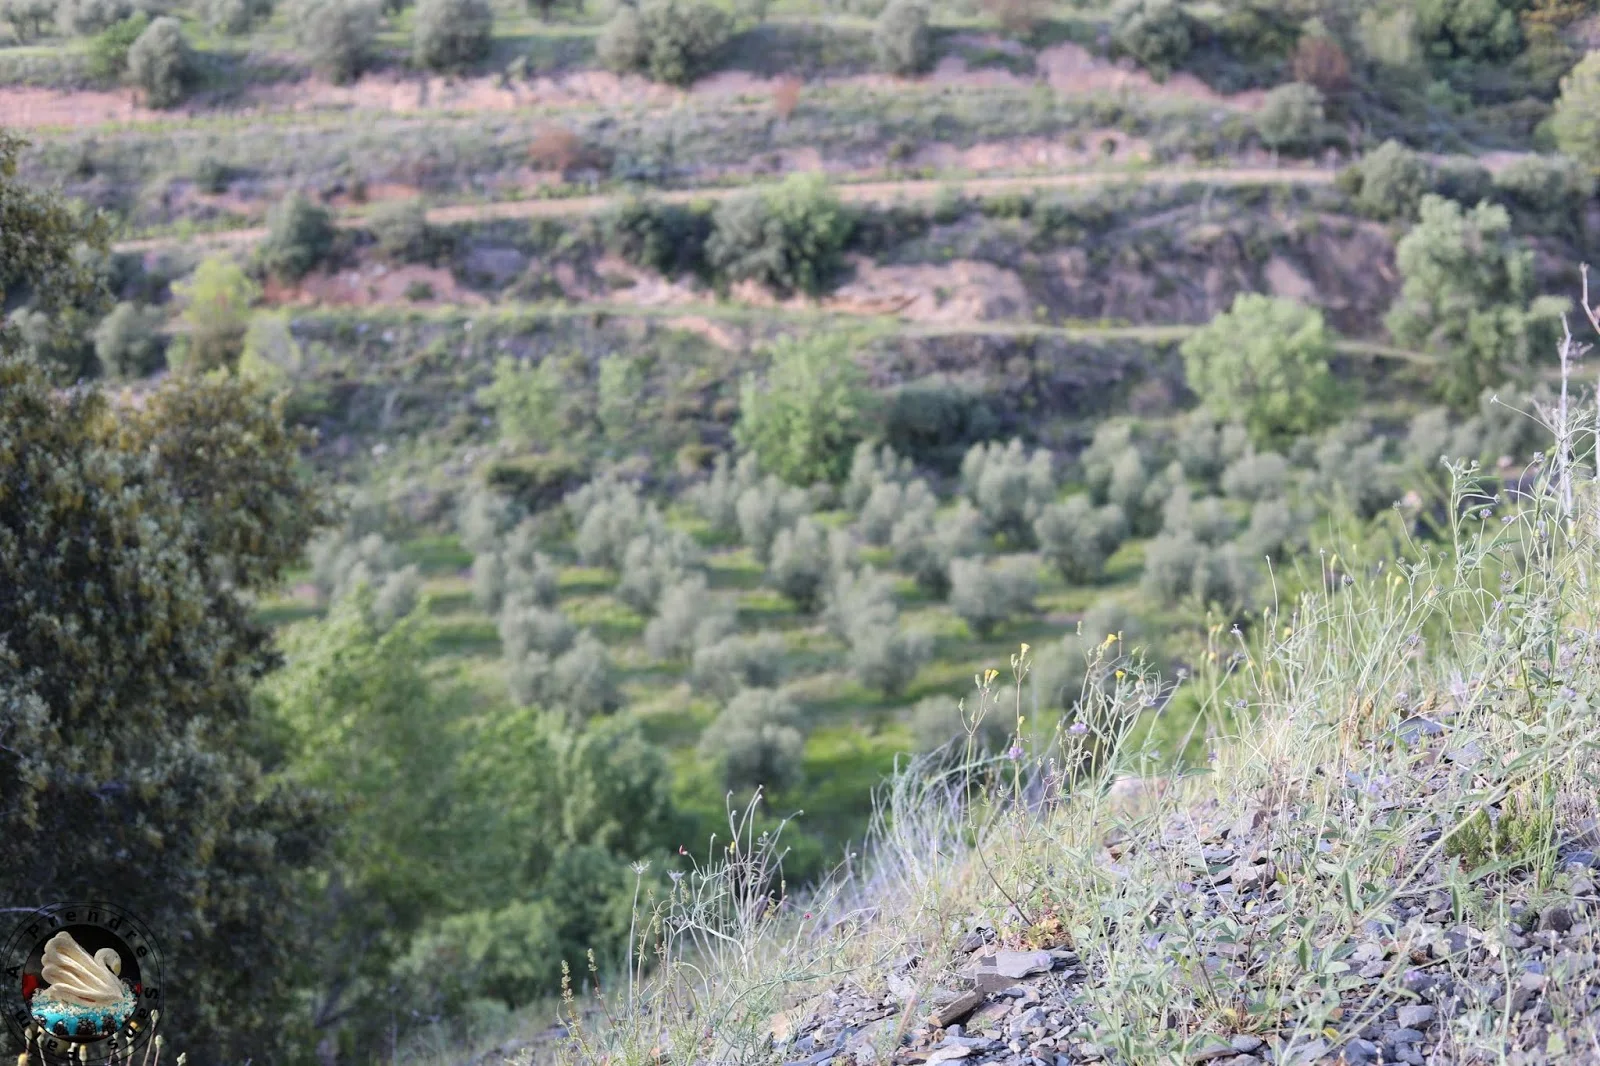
x: 801, y: 564
x: 789, y: 237
x: 667, y: 238
x: 57, y: 344
x: 337, y: 36
x: 1471, y: 29
x: 671, y: 41
x: 108, y: 51
x: 28, y: 18
x: 923, y: 544
x: 1291, y: 117
x: 901, y: 39
x: 85, y: 17
x: 766, y: 508
x: 735, y: 663
x: 689, y: 617
x: 1154, y: 33
x: 217, y: 300
x: 451, y: 34
x: 235, y: 16
x: 1466, y: 296
x: 1546, y: 194
x: 128, y: 342
x: 161, y: 63
x: 149, y: 651
x: 1575, y: 122
x: 803, y: 420
x: 756, y: 741
x: 300, y: 238
x: 1388, y: 183
x: 402, y: 231
x: 934, y: 421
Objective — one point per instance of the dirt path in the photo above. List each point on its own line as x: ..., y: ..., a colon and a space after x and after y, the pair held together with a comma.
x: 862, y: 192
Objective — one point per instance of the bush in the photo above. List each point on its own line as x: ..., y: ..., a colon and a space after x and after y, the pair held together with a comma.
x: 536, y: 482
x: 580, y: 682
x: 1275, y: 530
x: 689, y: 617
x: 717, y: 498
x: 235, y: 16
x: 1265, y: 359
x: 83, y: 17
x: 923, y: 544
x: 336, y: 36
x: 526, y: 628
x: 1471, y: 29
x: 1465, y: 296
x: 161, y: 63
x: 1319, y: 60
x: 451, y: 34
x: 984, y: 596
x: 860, y: 598
x: 28, y: 18
x: 934, y: 421
x: 1351, y: 471
x: 756, y: 741
x: 1154, y: 33
x: 667, y: 238
x: 885, y: 657
x: 652, y: 563
x: 402, y: 231
x: 789, y: 237
x: 1077, y: 537
x: 1257, y: 476
x: 803, y: 419
x: 483, y: 518
x: 801, y: 564
x: 1207, y: 447
x: 1548, y: 192
x: 1009, y: 487
x: 1291, y: 117
x: 538, y: 405
x: 870, y: 468
x: 128, y: 342
x: 108, y: 51
x: 766, y: 508
x: 940, y: 720
x: 1179, y: 567
x: 1207, y: 520
x: 671, y: 41
x: 1389, y: 183
x: 1575, y: 121
x: 609, y: 521
x: 901, y: 39
x: 889, y: 503
x: 217, y: 302
x: 734, y: 663
x: 299, y: 237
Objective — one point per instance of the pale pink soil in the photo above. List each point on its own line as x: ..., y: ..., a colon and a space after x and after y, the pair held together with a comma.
x: 374, y: 284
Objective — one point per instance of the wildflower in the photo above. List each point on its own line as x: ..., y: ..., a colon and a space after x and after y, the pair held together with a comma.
x: 1015, y: 753
x: 1078, y: 728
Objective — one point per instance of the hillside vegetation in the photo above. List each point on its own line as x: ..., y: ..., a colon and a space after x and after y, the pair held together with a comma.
x: 514, y: 436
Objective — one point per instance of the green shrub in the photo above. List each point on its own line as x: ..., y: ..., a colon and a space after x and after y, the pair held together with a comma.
x: 1205, y: 447
x: 1078, y: 537
x: 653, y: 562
x: 1460, y: 178
x: 217, y: 301
x: 789, y: 237
x: 803, y: 420
x: 872, y: 467
x: 924, y: 544
x: 1575, y: 120
x: 1465, y: 296
x: 579, y: 682
x: 888, y: 504
x: 1009, y: 487
x: 28, y: 18
x: 983, y: 596
x: 1291, y: 117
x: 451, y: 34
x: 735, y: 663
x: 886, y: 658
x: 1264, y: 360
x: 161, y: 63
x: 717, y: 498
x: 108, y: 51
x: 608, y: 516
x: 526, y: 628
x: 1389, y: 183
x: 756, y: 741
x: 1350, y: 470
x: 671, y: 41
x: 300, y: 237
x: 1256, y: 476
x: 1179, y: 567
x: 402, y: 231
x: 667, y: 238
x: 84, y: 17
x: 765, y: 508
x: 128, y: 342
x: 689, y: 617
x: 1154, y: 33
x: 1548, y: 193
x: 235, y: 16
x: 537, y: 481
x: 1472, y: 29
x: 901, y: 39
x: 934, y: 421
x: 536, y: 405
x: 801, y: 564
x: 336, y: 36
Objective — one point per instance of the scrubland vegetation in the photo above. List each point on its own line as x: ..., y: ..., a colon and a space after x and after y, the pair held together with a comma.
x: 672, y: 531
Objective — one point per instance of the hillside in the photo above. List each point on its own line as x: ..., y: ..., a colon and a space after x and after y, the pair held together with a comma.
x: 705, y: 395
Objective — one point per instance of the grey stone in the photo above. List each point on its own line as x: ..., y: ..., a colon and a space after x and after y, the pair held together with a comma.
x: 1415, y: 1016
x: 1245, y: 1044
x: 1406, y: 1036
x: 1015, y: 964
x: 1359, y: 1051
x: 1555, y: 919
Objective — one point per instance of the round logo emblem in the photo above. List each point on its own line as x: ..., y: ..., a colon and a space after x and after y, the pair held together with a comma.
x: 81, y: 979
